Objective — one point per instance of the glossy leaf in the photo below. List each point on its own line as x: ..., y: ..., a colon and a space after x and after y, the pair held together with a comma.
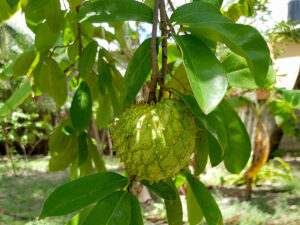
x: 62, y: 148
x: 23, y: 63
x: 201, y: 151
x: 111, y: 210
x: 52, y: 81
x: 82, y: 148
x: 82, y: 192
x: 205, y: 200
x: 204, y: 71
x: 8, y: 8
x: 212, y: 122
x: 195, y: 215
x: 115, y: 11
x: 136, y: 214
x: 174, y: 207
x: 137, y: 71
x: 87, y: 60
x: 17, y: 98
x: 81, y: 107
x: 206, y: 21
x: 162, y: 189
x: 238, y: 149
x: 215, y: 151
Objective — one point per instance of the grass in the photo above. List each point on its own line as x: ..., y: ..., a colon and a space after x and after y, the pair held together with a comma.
x: 22, y: 197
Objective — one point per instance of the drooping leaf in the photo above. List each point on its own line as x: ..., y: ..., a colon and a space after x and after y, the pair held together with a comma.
x: 238, y: 149
x: 205, y: 200
x: 87, y: 59
x: 62, y: 148
x: 201, y: 151
x: 111, y: 210
x: 204, y: 71
x: 8, y: 8
x: 82, y: 148
x: 174, y: 207
x: 81, y: 107
x: 215, y: 151
x: 206, y: 21
x: 195, y: 215
x: 212, y: 123
x: 82, y: 192
x: 23, y: 63
x: 104, y: 113
x: 137, y: 71
x: 16, y: 99
x: 162, y: 189
x: 136, y: 214
x: 52, y: 80
x: 115, y: 11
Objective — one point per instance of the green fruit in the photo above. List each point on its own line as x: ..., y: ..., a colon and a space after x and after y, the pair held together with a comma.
x: 155, y: 141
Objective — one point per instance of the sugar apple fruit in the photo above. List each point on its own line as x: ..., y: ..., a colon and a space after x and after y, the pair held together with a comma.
x: 155, y: 141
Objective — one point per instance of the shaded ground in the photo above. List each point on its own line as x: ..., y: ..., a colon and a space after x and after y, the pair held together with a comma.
x: 22, y: 197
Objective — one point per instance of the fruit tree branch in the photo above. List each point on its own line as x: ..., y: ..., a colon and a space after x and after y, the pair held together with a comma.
x: 154, y: 76
x: 163, y: 24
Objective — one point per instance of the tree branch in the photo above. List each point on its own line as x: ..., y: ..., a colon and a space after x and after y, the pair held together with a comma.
x: 171, y: 5
x: 154, y: 76
x: 163, y: 24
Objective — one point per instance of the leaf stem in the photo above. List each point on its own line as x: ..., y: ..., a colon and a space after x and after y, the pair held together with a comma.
x: 163, y: 24
x: 154, y: 76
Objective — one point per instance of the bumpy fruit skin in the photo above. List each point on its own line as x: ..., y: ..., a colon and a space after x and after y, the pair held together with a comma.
x: 155, y: 141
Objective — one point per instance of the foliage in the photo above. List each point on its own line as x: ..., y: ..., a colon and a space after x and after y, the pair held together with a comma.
x: 68, y: 56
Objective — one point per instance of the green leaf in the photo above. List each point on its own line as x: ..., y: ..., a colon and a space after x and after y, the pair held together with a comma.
x: 174, y: 207
x: 212, y: 123
x: 96, y: 157
x: 82, y: 148
x: 290, y: 96
x: 16, y: 99
x: 82, y: 192
x: 104, y: 113
x: 215, y: 152
x: 74, y: 3
x: 114, y: 209
x: 80, y: 217
x: 62, y: 148
x: 81, y: 107
x: 204, y: 71
x: 238, y: 149
x: 216, y: 3
x: 52, y: 81
x: 115, y: 11
x: 23, y: 63
x: 8, y: 8
x: 137, y: 71
x: 45, y: 38
x: 206, y: 21
x: 87, y: 59
x: 180, y: 81
x: 201, y: 151
x: 162, y: 189
x: 195, y: 215
x: 136, y: 214
x: 205, y: 200
x: 239, y: 74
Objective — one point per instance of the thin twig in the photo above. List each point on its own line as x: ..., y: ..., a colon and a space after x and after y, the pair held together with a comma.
x: 154, y: 76
x: 171, y: 5
x: 163, y: 24
x: 180, y: 83
x: 62, y: 46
